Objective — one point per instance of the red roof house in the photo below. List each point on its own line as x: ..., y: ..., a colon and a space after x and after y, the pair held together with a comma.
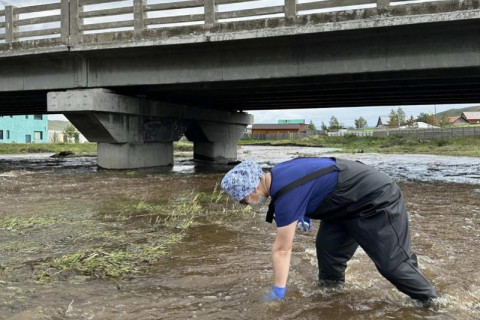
x: 457, y: 120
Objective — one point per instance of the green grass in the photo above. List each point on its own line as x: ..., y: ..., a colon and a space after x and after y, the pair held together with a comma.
x: 24, y: 148
x: 183, y: 145
x: 76, y: 148
x: 110, y: 262
x: 462, y: 146
x: 27, y: 222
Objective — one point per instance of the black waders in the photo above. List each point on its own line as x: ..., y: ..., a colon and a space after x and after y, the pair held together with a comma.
x: 367, y: 209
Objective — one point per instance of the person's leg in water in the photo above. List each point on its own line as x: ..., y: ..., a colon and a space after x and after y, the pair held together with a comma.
x: 385, y: 237
x: 334, y: 248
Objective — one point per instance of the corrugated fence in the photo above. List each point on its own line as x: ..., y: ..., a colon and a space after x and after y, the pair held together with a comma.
x: 437, y: 133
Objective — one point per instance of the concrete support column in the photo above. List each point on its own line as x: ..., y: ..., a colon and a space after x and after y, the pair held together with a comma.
x: 218, y: 152
x: 217, y: 142
x: 127, y: 136
x: 133, y: 155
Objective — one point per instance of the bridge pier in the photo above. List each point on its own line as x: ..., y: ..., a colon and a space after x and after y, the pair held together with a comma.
x: 214, y: 141
x: 137, y: 133
x: 134, y: 155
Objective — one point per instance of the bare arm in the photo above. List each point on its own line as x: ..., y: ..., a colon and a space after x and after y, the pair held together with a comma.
x: 281, y: 252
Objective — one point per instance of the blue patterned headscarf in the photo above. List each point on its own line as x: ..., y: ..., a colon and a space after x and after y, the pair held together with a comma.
x: 242, y: 180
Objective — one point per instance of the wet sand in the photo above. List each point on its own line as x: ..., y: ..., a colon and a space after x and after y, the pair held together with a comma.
x: 220, y: 268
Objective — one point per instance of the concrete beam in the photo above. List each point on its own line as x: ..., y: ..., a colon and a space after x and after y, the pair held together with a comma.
x: 107, y: 127
x: 102, y: 100
x: 49, y: 72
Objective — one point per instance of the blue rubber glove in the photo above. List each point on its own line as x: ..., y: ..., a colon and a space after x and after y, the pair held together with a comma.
x: 304, y: 224
x: 276, y: 294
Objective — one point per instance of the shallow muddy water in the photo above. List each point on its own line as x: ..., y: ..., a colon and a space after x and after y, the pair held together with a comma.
x: 214, y: 261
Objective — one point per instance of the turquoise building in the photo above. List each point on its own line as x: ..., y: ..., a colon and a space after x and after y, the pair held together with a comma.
x: 292, y: 121
x: 24, y: 129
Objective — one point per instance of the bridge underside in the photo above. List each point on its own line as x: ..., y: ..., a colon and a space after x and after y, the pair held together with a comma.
x: 385, y: 89
x: 360, y: 90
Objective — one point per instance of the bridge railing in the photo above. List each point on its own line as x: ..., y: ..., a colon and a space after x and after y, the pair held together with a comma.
x: 2, y: 25
x: 70, y: 20
x: 44, y: 20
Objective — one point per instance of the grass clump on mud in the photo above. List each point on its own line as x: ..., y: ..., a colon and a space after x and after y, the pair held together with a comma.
x: 104, y: 262
x: 145, y: 232
x: 26, y: 222
x: 461, y: 146
x: 119, y: 237
x: 141, y: 233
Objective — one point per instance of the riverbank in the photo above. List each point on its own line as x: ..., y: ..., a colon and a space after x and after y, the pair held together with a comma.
x: 79, y: 149
x: 462, y: 146
x: 71, y: 149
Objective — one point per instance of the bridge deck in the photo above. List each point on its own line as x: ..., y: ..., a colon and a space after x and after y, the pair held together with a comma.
x: 386, y: 53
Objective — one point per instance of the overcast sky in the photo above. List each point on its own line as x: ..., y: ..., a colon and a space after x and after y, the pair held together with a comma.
x: 346, y: 116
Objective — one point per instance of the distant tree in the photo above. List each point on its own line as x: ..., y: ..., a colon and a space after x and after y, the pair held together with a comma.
x: 360, y: 123
x: 71, y: 133
x: 423, y: 117
x: 393, y: 121
x: 410, y: 122
x: 55, y: 137
x: 324, y: 126
x: 445, y: 121
x: 432, y: 120
x: 335, y: 124
x: 311, y: 126
x: 401, y: 117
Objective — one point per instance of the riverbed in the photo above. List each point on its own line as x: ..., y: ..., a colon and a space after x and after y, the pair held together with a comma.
x: 81, y: 243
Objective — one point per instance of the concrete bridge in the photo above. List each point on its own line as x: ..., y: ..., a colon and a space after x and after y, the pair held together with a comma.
x: 135, y: 77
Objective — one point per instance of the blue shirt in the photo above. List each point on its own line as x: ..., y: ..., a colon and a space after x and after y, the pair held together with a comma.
x: 306, y: 198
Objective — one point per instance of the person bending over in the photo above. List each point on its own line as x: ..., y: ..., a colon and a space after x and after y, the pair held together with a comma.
x: 357, y: 206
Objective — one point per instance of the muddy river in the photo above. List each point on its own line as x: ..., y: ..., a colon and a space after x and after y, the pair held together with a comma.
x: 81, y: 243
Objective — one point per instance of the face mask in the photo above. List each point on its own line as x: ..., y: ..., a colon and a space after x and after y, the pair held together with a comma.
x: 260, y: 203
